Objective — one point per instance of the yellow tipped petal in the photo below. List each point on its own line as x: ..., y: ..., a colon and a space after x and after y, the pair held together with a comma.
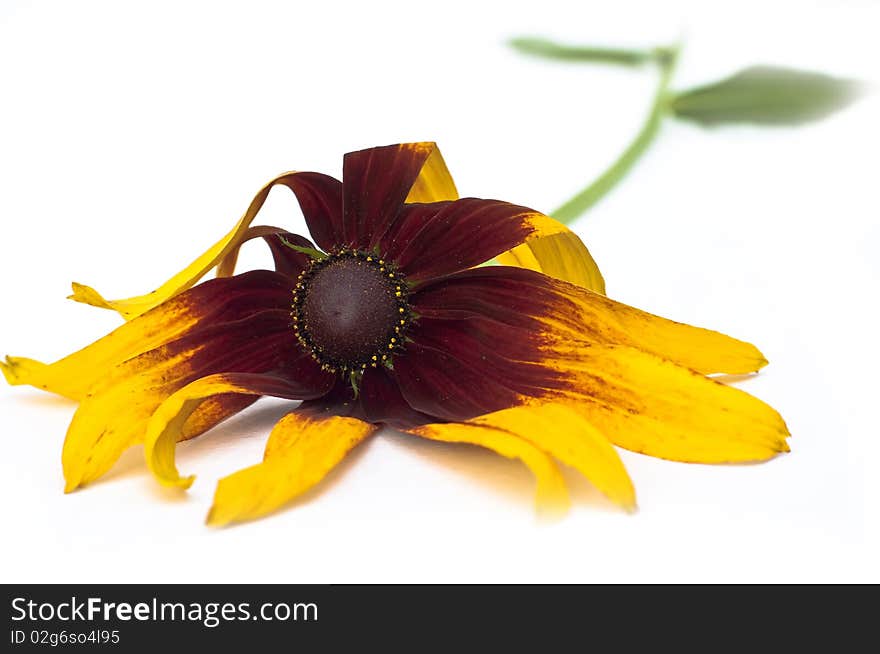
x: 590, y: 317
x: 551, y: 494
x: 300, y: 452
x: 114, y: 415
x: 650, y: 405
x: 76, y: 373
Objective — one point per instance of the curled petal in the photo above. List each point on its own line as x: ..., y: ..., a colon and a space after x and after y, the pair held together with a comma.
x: 288, y: 262
x: 551, y: 494
x: 300, y: 452
x: 320, y: 198
x: 434, y: 183
x: 163, y: 430
x: 214, y: 411
x: 562, y: 255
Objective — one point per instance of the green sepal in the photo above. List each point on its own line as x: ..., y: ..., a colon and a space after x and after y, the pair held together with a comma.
x: 354, y: 377
x: 315, y: 254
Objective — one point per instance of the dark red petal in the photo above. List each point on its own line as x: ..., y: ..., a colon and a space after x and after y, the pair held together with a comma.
x: 413, y: 218
x: 454, y: 235
x: 436, y: 383
x: 244, y: 326
x: 383, y: 403
x: 477, y: 345
x: 458, y: 369
x: 508, y: 295
x: 273, y: 384
x: 510, y: 355
x: 376, y: 183
x: 339, y: 400
x: 233, y: 298
x: 260, y: 342
x: 320, y: 198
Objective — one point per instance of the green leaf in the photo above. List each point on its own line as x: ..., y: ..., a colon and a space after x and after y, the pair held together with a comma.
x: 547, y: 49
x: 766, y: 95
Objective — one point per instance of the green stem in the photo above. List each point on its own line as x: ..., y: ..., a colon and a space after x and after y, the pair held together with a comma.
x: 586, y: 198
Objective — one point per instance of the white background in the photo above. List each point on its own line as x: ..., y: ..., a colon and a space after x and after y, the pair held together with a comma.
x: 132, y: 135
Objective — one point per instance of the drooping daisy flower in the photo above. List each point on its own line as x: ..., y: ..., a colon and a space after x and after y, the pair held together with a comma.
x: 388, y: 319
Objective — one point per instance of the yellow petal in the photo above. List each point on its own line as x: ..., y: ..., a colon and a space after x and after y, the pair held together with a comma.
x: 551, y: 494
x: 560, y: 254
x: 564, y: 432
x: 434, y: 183
x: 113, y: 413
x: 169, y: 422
x: 650, y: 405
x: 112, y: 418
x: 73, y: 375
x: 76, y: 373
x: 590, y: 317
x: 300, y: 452
x: 134, y: 306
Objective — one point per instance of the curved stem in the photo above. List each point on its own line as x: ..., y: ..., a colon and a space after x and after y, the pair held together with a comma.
x: 624, y: 163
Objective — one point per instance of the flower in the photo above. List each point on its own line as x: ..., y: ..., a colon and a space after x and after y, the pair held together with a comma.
x: 388, y: 319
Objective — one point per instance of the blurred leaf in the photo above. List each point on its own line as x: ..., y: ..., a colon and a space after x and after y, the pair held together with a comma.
x: 766, y: 95
x: 551, y: 50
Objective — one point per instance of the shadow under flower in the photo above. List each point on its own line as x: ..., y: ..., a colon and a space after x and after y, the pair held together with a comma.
x: 506, y: 477
x: 42, y: 399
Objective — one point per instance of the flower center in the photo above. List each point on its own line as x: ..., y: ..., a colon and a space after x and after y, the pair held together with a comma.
x: 350, y: 311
